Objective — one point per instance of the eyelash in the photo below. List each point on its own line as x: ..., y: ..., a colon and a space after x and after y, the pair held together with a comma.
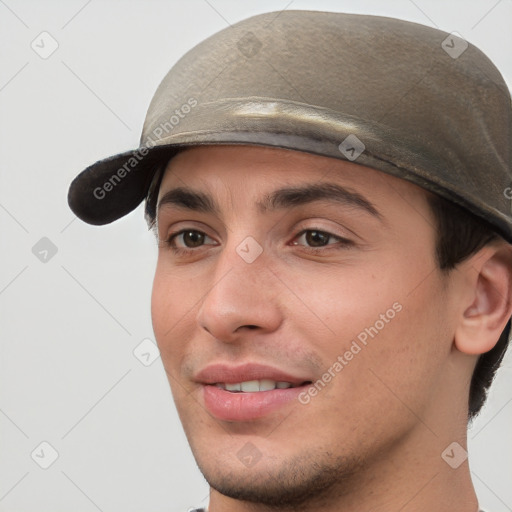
x: 180, y: 251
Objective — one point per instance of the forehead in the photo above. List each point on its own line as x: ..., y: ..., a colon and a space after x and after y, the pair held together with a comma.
x: 223, y: 170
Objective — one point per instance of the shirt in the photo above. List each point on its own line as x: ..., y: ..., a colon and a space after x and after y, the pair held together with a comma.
x: 206, y: 510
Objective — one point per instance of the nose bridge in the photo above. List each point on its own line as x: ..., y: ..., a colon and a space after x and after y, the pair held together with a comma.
x: 240, y: 293
x: 243, y: 257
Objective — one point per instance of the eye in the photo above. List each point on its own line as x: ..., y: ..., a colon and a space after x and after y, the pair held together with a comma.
x: 317, y: 239
x: 190, y: 238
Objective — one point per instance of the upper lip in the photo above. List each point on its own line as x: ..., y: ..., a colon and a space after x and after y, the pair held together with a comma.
x: 230, y: 374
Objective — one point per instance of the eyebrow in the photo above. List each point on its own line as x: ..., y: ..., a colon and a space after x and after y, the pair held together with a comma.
x: 287, y: 197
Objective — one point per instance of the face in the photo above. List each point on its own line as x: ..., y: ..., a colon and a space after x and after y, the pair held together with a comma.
x: 289, y: 321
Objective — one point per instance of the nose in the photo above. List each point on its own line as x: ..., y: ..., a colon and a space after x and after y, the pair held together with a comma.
x: 242, y: 297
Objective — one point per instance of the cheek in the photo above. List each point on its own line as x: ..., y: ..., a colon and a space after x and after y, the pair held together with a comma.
x: 160, y: 304
x: 404, y: 360
x: 174, y: 295
x: 343, y: 301
x: 391, y: 309
x: 170, y: 303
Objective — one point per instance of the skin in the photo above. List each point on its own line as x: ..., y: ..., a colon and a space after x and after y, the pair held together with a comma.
x: 372, y: 438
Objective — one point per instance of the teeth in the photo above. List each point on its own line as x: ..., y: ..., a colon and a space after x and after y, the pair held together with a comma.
x: 252, y: 386
x: 267, y: 385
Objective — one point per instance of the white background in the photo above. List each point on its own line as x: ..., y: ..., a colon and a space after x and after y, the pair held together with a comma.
x: 69, y: 326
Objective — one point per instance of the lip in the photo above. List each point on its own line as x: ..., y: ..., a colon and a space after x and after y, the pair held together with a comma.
x: 220, y: 372
x: 228, y: 406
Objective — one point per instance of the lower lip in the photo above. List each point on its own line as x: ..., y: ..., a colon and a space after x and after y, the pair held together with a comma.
x: 229, y: 406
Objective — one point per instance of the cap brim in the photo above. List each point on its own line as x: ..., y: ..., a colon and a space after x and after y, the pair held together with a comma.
x: 114, y: 186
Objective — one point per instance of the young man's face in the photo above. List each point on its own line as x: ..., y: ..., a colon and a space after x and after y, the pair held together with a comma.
x: 342, y: 298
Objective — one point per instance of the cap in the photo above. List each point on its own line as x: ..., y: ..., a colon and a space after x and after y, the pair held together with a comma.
x: 408, y: 100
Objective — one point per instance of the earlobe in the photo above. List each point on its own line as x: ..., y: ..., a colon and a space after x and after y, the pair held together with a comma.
x: 484, y: 319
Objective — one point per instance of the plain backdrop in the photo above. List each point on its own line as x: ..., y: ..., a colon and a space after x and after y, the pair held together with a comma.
x: 72, y: 317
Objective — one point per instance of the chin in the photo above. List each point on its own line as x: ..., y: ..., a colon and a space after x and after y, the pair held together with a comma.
x: 312, y: 477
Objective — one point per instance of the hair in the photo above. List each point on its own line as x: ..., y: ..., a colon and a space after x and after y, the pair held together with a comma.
x: 152, y: 196
x: 460, y: 234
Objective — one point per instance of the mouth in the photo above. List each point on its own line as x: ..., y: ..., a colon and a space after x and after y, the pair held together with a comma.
x: 248, y: 392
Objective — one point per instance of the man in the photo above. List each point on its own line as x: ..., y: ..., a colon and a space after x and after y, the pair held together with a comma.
x: 333, y: 289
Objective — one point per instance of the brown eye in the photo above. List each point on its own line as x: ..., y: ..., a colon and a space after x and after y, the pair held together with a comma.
x: 192, y: 238
x: 186, y: 241
x: 317, y: 238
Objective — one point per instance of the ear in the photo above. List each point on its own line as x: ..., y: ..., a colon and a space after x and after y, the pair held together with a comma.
x: 489, y: 299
